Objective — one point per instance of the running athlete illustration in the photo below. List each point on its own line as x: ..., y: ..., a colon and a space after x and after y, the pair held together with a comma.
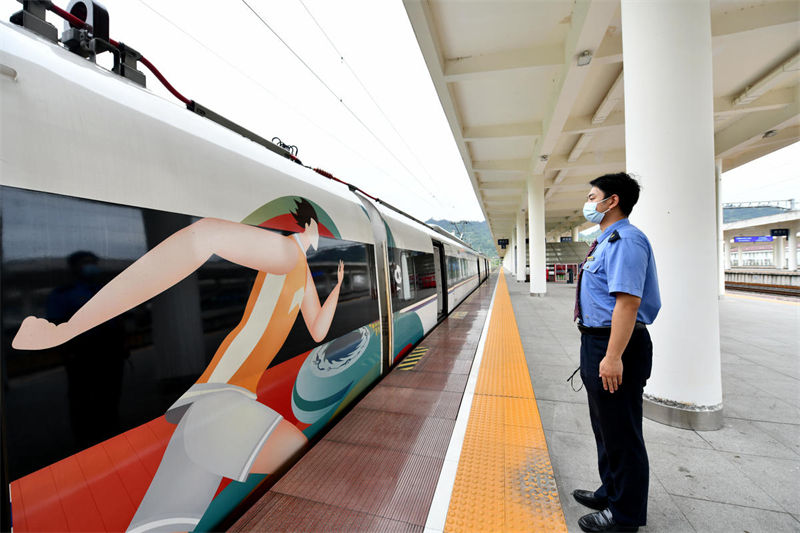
x: 222, y: 430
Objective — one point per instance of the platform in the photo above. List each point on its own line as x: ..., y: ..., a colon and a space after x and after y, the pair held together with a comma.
x: 414, y: 455
x: 378, y: 468
x: 744, y: 477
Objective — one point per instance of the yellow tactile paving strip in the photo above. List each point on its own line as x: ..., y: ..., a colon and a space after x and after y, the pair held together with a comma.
x: 504, y: 480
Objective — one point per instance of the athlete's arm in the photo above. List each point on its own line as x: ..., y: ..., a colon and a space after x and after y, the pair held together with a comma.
x: 172, y: 260
x: 318, y: 318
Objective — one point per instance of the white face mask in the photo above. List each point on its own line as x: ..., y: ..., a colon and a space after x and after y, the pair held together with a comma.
x: 590, y: 212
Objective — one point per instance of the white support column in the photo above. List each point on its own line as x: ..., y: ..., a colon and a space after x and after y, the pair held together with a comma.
x: 669, y: 145
x: 727, y: 254
x: 793, y: 247
x: 739, y: 256
x: 720, y: 239
x: 520, y: 245
x: 536, y: 229
x: 781, y: 253
x: 576, y: 233
x: 776, y: 252
x: 511, y: 254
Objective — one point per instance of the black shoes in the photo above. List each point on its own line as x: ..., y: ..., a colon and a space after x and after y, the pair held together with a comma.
x: 602, y: 521
x: 587, y: 498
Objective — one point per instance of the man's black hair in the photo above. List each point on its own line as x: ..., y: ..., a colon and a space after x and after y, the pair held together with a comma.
x: 623, y: 186
x: 304, y: 212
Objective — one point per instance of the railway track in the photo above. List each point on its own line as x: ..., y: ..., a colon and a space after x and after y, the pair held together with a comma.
x: 782, y: 290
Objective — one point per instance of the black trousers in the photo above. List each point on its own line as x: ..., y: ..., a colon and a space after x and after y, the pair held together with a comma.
x: 617, y: 425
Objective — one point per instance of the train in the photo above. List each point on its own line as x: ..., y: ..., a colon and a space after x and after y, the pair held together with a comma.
x: 185, y: 306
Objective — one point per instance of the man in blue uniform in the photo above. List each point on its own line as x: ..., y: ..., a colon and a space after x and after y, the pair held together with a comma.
x: 616, y: 297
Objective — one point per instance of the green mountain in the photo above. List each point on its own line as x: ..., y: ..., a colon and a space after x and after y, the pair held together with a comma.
x: 475, y: 233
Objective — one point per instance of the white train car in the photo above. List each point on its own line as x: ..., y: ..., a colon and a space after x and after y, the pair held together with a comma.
x: 183, y: 310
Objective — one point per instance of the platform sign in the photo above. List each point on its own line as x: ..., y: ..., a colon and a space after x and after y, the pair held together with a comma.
x: 781, y: 232
x: 502, y: 242
x: 760, y: 238
x: 566, y: 239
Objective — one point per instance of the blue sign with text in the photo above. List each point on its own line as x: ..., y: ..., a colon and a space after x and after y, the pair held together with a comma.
x: 761, y: 238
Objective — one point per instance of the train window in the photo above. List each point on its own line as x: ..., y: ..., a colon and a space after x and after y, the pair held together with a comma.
x: 412, y: 277
x: 460, y: 269
x: 58, y: 251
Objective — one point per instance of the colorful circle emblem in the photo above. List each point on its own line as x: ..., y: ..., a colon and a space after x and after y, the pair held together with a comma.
x: 330, y: 370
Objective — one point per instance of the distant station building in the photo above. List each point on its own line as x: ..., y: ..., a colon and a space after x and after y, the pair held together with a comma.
x: 761, y: 234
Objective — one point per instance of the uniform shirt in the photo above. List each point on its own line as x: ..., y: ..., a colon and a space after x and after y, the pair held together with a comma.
x: 625, y: 265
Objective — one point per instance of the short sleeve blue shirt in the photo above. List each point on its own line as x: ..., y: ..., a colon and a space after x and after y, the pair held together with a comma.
x: 625, y: 265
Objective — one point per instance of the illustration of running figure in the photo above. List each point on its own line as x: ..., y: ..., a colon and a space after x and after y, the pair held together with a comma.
x: 222, y: 431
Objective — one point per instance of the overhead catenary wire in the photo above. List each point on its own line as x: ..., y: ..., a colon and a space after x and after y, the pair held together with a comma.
x: 347, y: 107
x: 335, y: 138
x: 369, y: 94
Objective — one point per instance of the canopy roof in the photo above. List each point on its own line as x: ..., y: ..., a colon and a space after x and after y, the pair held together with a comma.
x: 519, y: 104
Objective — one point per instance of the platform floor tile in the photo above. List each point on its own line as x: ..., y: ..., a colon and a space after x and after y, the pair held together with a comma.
x: 504, y: 480
x: 378, y: 467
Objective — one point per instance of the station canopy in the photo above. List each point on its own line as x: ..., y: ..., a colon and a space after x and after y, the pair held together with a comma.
x: 521, y: 99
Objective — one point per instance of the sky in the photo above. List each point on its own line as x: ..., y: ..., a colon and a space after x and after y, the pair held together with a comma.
x: 346, y: 83
x: 773, y: 177
x: 368, y: 113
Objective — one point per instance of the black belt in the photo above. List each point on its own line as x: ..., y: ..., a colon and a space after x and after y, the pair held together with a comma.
x: 606, y: 332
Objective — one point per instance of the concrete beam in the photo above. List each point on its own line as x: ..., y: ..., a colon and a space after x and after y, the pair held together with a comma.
x: 520, y: 60
x: 785, y: 137
x: 724, y: 107
x: 593, y: 160
x: 584, y: 124
x: 502, y: 199
x: 751, y: 128
x: 609, y: 51
x: 566, y: 205
x: 765, y: 17
x: 590, y: 20
x: 506, y: 184
x: 522, y: 130
x: 501, y: 165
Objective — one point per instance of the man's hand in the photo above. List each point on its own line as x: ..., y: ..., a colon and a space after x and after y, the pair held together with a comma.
x: 623, y: 320
x: 611, y: 373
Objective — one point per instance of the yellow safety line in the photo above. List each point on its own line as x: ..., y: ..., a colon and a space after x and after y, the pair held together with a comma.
x: 504, y: 480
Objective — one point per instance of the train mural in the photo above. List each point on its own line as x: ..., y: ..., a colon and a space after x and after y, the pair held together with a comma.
x: 182, y: 310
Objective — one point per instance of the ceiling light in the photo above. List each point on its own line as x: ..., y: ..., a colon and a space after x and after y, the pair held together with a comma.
x: 770, y: 133
x: 585, y: 58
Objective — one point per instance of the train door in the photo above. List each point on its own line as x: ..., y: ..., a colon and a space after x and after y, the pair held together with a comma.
x: 441, y: 278
x: 478, y: 260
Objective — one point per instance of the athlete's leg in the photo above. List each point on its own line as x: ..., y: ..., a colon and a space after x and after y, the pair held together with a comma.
x: 285, y: 441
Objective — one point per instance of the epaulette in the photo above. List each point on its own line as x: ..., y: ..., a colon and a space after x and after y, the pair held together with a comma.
x: 614, y: 237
